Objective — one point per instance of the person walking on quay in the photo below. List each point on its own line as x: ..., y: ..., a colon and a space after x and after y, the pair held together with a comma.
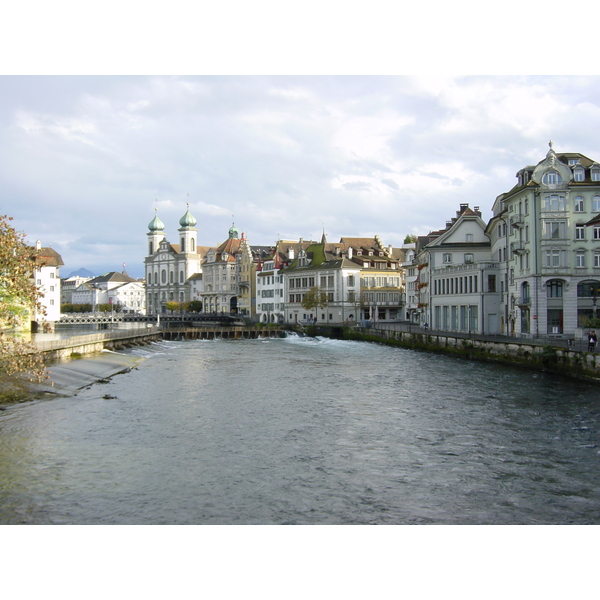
x: 592, y: 341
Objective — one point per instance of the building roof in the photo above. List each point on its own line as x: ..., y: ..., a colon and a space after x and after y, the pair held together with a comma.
x: 47, y: 257
x: 112, y: 276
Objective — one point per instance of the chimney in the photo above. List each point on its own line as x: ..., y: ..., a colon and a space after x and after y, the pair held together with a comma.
x: 350, y: 252
x: 290, y: 253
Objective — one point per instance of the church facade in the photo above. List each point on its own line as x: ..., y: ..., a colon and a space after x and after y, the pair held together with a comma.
x: 169, y: 267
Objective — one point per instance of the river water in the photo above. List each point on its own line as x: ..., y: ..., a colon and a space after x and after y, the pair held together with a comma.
x: 305, y: 431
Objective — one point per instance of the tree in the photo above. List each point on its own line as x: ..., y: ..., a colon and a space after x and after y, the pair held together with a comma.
x: 194, y: 306
x: 410, y: 238
x: 173, y: 306
x: 315, y: 298
x: 19, y: 297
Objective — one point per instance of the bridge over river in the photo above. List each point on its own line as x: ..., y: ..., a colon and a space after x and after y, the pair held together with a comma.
x: 173, y: 320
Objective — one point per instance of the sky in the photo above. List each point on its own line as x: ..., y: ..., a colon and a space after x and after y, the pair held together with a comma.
x: 86, y: 160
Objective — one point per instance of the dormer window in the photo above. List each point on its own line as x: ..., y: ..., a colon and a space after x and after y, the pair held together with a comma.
x: 370, y: 252
x: 573, y: 161
x: 595, y: 174
x: 359, y: 253
x: 578, y: 174
x: 551, y: 178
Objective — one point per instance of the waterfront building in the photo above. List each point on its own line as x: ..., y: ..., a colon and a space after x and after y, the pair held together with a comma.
x: 47, y: 280
x: 169, y: 267
x: 68, y: 286
x: 458, y: 280
x: 270, y: 286
x: 120, y: 290
x: 220, y: 276
x: 360, y: 278
x: 411, y: 298
x: 545, y: 237
x: 381, y: 294
x: 248, y: 261
x: 322, y: 267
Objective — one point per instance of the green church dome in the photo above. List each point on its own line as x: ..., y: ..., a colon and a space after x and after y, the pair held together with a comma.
x: 187, y: 220
x: 156, y: 224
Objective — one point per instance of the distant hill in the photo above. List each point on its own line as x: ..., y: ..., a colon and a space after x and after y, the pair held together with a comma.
x: 81, y: 273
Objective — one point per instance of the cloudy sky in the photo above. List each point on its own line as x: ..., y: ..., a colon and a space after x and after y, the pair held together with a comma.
x: 85, y: 160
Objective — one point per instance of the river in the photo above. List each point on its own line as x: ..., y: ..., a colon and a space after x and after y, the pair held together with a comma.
x: 305, y: 431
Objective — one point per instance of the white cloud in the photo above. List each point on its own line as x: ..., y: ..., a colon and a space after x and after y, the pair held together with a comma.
x: 284, y: 155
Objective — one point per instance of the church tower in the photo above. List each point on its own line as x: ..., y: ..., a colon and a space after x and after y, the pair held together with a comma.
x: 188, y: 234
x: 155, y: 234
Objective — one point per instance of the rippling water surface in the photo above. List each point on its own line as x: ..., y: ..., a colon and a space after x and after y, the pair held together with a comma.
x: 305, y: 431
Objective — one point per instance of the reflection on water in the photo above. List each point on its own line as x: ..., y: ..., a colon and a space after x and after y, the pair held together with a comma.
x: 305, y: 431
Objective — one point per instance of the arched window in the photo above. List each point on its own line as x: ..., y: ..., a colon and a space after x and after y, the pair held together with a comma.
x: 170, y: 276
x: 192, y: 245
x: 588, y: 289
x: 525, y: 293
x: 183, y: 244
x: 551, y: 178
x: 554, y: 288
x: 163, y: 276
x: 155, y: 278
x: 181, y: 276
x: 150, y: 248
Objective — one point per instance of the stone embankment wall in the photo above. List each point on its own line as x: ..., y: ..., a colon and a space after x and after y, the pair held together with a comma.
x: 90, y: 344
x: 572, y: 363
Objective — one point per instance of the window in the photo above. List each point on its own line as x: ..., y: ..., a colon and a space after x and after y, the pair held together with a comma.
x: 554, y: 288
x: 580, y: 259
x: 555, y: 202
x: 469, y: 237
x: 578, y: 204
x: 596, y: 232
x: 595, y: 175
x: 525, y: 294
x: 350, y: 280
x: 491, y: 283
x: 555, y: 258
x: 596, y: 259
x: 468, y: 258
x: 447, y: 258
x: 578, y: 175
x: 551, y: 178
x: 596, y: 203
x: 580, y: 232
x: 555, y: 230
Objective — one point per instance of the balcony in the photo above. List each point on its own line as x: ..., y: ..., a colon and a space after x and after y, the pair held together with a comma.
x: 517, y: 220
x: 517, y: 247
x: 524, y: 301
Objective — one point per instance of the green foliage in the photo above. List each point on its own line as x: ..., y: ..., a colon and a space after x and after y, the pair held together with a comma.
x: 19, y: 360
x: 194, y: 306
x: 75, y: 308
x: 592, y: 323
x: 173, y: 306
x: 410, y: 238
x: 315, y: 298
